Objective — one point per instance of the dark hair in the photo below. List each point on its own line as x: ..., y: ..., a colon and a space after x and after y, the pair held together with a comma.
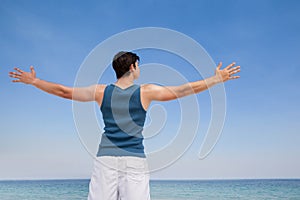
x: 122, y: 61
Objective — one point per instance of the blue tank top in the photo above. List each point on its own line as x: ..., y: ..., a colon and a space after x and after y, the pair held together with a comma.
x: 124, y: 118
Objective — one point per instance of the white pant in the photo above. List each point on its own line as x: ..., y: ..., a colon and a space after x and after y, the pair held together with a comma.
x: 119, y: 178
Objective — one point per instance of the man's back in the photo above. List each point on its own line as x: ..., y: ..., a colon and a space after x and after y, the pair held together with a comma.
x: 124, y: 118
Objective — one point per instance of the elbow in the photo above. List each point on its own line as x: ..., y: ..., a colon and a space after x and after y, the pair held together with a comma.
x: 182, y: 93
x: 189, y: 89
x: 65, y: 93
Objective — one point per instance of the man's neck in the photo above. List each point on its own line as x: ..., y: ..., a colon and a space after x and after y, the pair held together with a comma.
x: 124, y: 82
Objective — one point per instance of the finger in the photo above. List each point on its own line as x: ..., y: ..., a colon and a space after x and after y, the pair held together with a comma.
x: 32, y: 70
x: 234, y: 77
x: 229, y: 66
x: 219, y: 65
x: 19, y: 70
x: 234, y: 71
x: 235, y: 68
x: 14, y: 74
x: 15, y: 81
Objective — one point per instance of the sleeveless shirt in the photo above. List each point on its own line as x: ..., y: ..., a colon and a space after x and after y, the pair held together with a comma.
x: 124, y: 118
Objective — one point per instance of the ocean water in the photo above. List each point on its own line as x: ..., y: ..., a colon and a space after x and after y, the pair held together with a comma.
x: 160, y: 190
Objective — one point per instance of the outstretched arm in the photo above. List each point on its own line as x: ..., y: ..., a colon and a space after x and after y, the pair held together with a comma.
x: 78, y: 94
x: 166, y: 93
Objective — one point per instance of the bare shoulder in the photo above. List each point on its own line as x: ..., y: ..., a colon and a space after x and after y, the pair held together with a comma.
x: 151, y: 91
x: 99, y: 91
x: 158, y: 92
x: 150, y: 87
x: 96, y: 88
x: 146, y: 89
x: 147, y: 93
x: 100, y: 88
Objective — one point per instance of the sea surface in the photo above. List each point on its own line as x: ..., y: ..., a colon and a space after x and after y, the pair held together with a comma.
x: 160, y: 189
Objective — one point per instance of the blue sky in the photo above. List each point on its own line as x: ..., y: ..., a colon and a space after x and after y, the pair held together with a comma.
x: 260, y: 139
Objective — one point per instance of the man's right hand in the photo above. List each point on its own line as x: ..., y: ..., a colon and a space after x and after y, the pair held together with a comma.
x: 22, y: 76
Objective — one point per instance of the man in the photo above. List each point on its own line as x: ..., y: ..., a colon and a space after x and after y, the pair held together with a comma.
x: 120, y: 170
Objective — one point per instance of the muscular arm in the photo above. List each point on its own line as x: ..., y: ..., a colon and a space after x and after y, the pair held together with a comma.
x: 166, y: 93
x: 90, y: 93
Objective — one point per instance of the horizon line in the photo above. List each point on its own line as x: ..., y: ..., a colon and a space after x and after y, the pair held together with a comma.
x: 204, y: 179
